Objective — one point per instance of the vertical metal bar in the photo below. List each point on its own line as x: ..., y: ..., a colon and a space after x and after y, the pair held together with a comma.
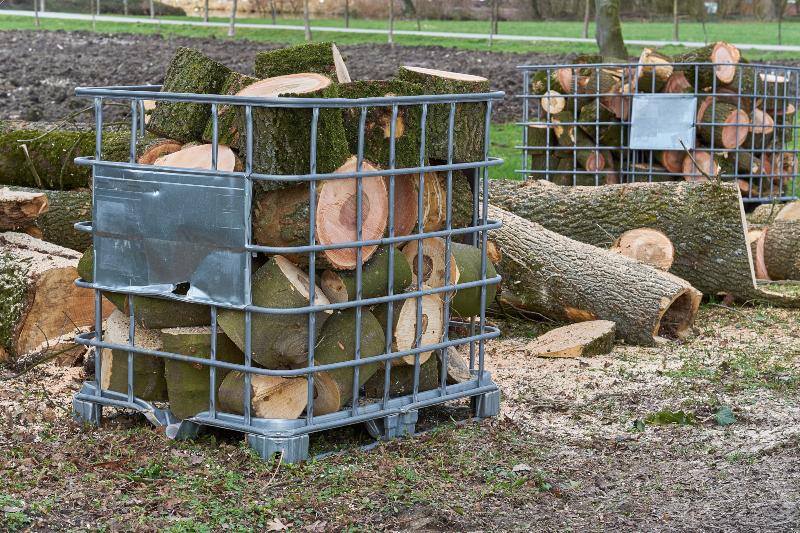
x: 312, y: 266
x: 131, y: 343
x: 484, y: 244
x: 134, y: 126
x: 447, y: 248
x: 248, y: 318
x: 359, y: 269
x: 525, y: 111
x: 142, y: 118
x: 98, y: 128
x: 212, y: 370
x: 98, y: 295
x: 214, y: 136
x: 390, y: 288
x: 420, y: 237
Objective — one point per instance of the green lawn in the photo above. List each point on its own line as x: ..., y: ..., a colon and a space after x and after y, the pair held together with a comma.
x: 750, y: 32
x: 505, y: 139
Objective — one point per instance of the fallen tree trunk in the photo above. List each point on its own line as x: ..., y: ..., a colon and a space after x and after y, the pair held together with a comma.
x: 20, y: 209
x: 571, y: 281
x: 782, y: 244
x: 40, y: 306
x: 704, y: 221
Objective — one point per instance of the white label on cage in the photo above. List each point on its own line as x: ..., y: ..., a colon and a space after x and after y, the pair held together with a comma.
x: 663, y: 121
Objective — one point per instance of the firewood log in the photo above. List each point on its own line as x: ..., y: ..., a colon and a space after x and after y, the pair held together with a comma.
x: 654, y: 71
x: 722, y: 125
x: 607, y: 135
x: 270, y: 396
x: 277, y: 341
x: 156, y: 149
x: 320, y: 58
x: 782, y: 244
x: 404, y: 324
x: 704, y: 221
x: 148, y: 371
x: 586, y: 151
x: 340, y: 285
x: 540, y: 137
x: 199, y: 156
x: 20, y: 209
x: 468, y: 130
x: 672, y: 160
x: 764, y: 214
x: 337, y: 343
x: 435, y: 201
x: 574, y: 282
x: 401, y: 381
x: 725, y: 55
x: 699, y: 166
x: 40, y: 306
x: 582, y: 339
x: 189, y: 71
x: 677, y: 83
x: 228, y: 123
x: 281, y: 217
x: 188, y: 384
x: 646, y: 245
x: 755, y: 237
x: 562, y: 80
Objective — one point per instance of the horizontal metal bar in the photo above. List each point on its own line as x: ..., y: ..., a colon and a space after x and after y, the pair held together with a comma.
x: 772, y: 68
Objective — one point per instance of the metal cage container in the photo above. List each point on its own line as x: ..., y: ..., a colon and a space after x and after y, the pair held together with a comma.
x: 607, y: 123
x: 196, y: 224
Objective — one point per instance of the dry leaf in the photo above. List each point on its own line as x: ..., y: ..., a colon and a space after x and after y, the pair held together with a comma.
x: 276, y: 525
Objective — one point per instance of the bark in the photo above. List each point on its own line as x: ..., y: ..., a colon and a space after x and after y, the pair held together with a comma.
x: 319, y: 58
x: 306, y: 21
x: 401, y: 381
x: 574, y: 282
x: 724, y: 55
x: 40, y: 306
x: 704, y: 221
x: 654, y: 71
x: 189, y: 71
x: 609, y: 28
x: 65, y: 208
x: 782, y: 244
x: 340, y: 286
x: 228, y: 132
x: 232, y: 26
x: 595, y: 337
x: 722, y: 125
x: 270, y: 396
x: 19, y: 209
x: 582, y: 146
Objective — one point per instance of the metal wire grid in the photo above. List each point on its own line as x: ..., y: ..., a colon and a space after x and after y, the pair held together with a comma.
x: 774, y: 89
x: 282, y: 433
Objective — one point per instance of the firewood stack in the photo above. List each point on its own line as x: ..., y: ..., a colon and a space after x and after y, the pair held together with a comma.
x: 745, y: 121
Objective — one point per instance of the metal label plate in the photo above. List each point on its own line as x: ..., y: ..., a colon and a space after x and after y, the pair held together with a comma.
x: 160, y: 232
x: 662, y: 121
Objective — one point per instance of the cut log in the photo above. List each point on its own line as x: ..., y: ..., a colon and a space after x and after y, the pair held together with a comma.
x: 540, y: 136
x: 595, y: 337
x: 571, y: 281
x: 585, y: 149
x: 782, y: 244
x: 40, y: 306
x: 282, y: 135
x: 724, y: 56
x: 199, y: 156
x: 699, y: 166
x: 188, y: 384
x: 458, y: 364
x: 765, y: 214
x: 654, y: 71
x: 378, y: 125
x: 281, y: 218
x: 470, y: 118
x: 20, y: 209
x: 401, y: 381
x: 722, y: 125
x: 704, y: 221
x: 337, y: 343
x: 340, y: 286
x: 435, y: 201
x: 404, y: 329
x: 189, y: 71
x: 677, y: 83
x: 148, y: 371
x: 406, y: 200
x: 562, y: 80
x: 755, y: 237
x: 672, y: 160
x: 595, y: 119
x: 151, y: 312
x: 553, y: 102
x: 320, y: 58
x: 228, y: 122
x: 646, y: 245
x: 270, y: 396
x: 277, y: 340
x: 156, y: 149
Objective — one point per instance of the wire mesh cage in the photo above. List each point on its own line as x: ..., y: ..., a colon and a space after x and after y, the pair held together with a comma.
x: 346, y: 306
x: 663, y: 119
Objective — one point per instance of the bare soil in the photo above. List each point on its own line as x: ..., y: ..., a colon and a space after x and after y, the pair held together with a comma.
x: 40, y: 70
x: 581, y: 445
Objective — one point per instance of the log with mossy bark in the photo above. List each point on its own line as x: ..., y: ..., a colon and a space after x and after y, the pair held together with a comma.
x: 281, y: 217
x: 189, y: 71
x: 340, y: 285
x: 378, y: 124
x: 782, y: 244
x: 724, y: 56
x: 188, y: 384
x: 270, y: 396
x: 337, y: 343
x: 228, y: 123
x: 585, y: 149
x: 722, y: 125
x: 567, y: 280
x: 151, y: 312
x: 405, y: 327
x: 65, y: 208
x: 277, y: 340
x: 320, y: 58
x: 599, y: 122
x: 653, y: 71
x: 40, y: 306
x: 564, y: 80
x: 401, y: 380
x: 764, y: 214
x: 469, y: 120
x: 20, y: 209
x: 704, y: 221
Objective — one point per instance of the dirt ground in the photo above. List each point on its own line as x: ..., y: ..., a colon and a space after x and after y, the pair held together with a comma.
x: 40, y: 70
x: 700, y: 435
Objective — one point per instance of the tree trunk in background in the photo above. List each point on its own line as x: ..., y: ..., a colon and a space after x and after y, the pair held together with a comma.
x: 586, y: 16
x: 609, y: 29
x: 346, y: 13
x: 675, y: 31
x: 780, y: 6
x: 152, y: 9
x: 125, y: 7
x: 306, y: 21
x: 42, y: 6
x: 271, y: 8
x: 205, y: 11
x: 36, y: 11
x: 391, y: 23
x: 496, y: 17
x: 232, y: 27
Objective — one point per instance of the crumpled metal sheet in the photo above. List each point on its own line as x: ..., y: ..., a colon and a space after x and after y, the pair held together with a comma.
x: 160, y: 232
x: 662, y: 121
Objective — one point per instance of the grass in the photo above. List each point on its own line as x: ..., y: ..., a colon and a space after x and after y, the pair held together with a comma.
x: 505, y: 139
x: 750, y: 32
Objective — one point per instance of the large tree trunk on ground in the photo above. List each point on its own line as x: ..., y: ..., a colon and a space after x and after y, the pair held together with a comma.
x: 704, y: 221
x: 571, y: 281
x: 40, y: 306
x: 782, y: 244
x: 320, y: 58
x: 609, y: 29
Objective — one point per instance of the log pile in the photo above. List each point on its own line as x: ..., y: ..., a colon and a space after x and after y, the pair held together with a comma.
x: 737, y: 138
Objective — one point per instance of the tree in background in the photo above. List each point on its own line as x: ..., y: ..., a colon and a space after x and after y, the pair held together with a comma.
x: 587, y: 12
x: 232, y: 27
x: 391, y: 23
x: 609, y: 29
x: 780, y: 9
x: 410, y: 10
x: 306, y: 20
x: 36, y: 12
x: 346, y: 13
x: 205, y: 11
x: 675, y: 32
x: 152, y: 9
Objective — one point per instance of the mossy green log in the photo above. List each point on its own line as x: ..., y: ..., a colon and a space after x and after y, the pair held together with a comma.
x: 66, y: 208
x: 228, y: 123
x: 321, y: 58
x: 467, y: 302
x: 340, y: 285
x: 401, y: 380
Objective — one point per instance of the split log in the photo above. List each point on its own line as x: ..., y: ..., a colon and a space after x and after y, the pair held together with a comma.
x: 699, y: 166
x: 378, y: 125
x: 148, y: 371
x: 470, y: 118
x: 595, y: 337
x: 646, y: 245
x: 228, y: 123
x: 404, y: 324
x: 20, y: 209
x: 704, y: 221
x: 435, y: 201
x: 401, y: 381
x: 156, y: 149
x: 553, y: 102
x: 764, y: 214
x: 724, y: 55
x: 782, y: 244
x: 188, y: 384
x: 151, y: 312
x: 282, y: 135
x: 584, y: 148
x: 654, y: 71
x: 406, y: 196
x: 40, y: 306
x: 677, y: 83
x: 571, y: 281
x: 337, y: 343
x: 340, y: 286
x: 199, y: 156
x: 189, y: 71
x: 755, y: 237
x: 320, y: 58
x: 465, y: 267
x: 270, y: 396
x: 457, y: 364
x: 281, y: 217
x: 277, y: 341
